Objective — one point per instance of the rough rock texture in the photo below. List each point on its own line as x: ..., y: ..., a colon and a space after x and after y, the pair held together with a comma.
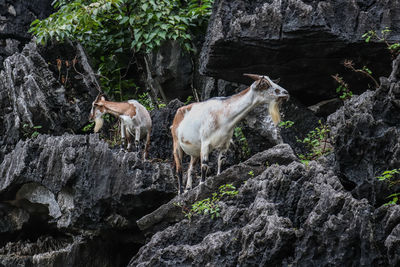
x: 33, y: 92
x: 173, y: 70
x: 84, y: 169
x: 161, y: 138
x: 15, y: 19
x: 287, y: 215
x: 367, y: 138
x: 73, y: 184
x: 302, y: 42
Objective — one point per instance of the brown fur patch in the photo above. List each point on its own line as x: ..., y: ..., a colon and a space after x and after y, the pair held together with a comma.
x: 185, y: 141
x: 119, y: 108
x: 180, y: 114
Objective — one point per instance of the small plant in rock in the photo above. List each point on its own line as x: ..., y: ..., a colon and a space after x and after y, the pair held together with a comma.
x: 30, y: 131
x: 343, y: 88
x: 88, y: 127
x: 392, y: 177
x: 245, y: 150
x: 251, y: 173
x: 189, y: 99
x: 145, y: 100
x: 210, y: 205
x: 394, y: 48
x: 286, y: 124
x: 318, y: 143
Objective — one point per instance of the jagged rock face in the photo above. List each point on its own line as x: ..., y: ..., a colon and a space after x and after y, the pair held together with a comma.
x: 15, y: 19
x: 161, y: 138
x: 75, y: 183
x: 82, y: 181
x: 62, y: 251
x: 367, y: 138
x: 302, y: 42
x: 286, y: 215
x: 36, y: 92
x: 173, y: 70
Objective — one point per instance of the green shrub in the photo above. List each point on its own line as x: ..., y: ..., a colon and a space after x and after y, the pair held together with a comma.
x: 244, y: 145
x: 210, y: 205
x: 318, y: 143
x: 392, y: 177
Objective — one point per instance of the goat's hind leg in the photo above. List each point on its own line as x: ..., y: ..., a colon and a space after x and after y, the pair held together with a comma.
x: 193, y: 161
x: 147, y: 145
x: 123, y: 135
x: 178, y: 154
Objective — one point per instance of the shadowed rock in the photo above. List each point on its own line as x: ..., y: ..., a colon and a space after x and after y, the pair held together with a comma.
x: 76, y: 185
x: 366, y: 133
x: 15, y: 19
x: 302, y: 42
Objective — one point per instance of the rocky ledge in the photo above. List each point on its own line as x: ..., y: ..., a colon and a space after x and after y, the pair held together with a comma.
x: 74, y: 187
x: 286, y: 215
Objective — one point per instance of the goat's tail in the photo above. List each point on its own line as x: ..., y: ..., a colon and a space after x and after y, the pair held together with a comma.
x: 178, y: 154
x: 273, y: 110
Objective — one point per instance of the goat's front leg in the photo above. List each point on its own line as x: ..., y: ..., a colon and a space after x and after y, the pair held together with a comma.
x: 221, y: 156
x: 137, y: 138
x: 205, y: 150
x: 123, y: 131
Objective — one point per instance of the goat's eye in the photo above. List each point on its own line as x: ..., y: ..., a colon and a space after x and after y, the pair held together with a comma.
x: 277, y: 91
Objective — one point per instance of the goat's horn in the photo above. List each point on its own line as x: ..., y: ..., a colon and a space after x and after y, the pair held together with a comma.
x: 253, y: 76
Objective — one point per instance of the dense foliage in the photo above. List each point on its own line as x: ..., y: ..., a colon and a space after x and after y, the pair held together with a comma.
x: 119, y: 33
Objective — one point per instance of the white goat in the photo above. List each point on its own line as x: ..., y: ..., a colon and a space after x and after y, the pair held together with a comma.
x: 135, y: 120
x: 201, y: 127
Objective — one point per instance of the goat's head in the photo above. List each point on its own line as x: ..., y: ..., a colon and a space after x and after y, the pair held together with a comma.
x: 97, y: 111
x: 268, y: 91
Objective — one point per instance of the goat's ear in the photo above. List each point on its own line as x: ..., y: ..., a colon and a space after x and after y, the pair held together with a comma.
x: 102, y: 98
x: 277, y: 80
x: 253, y: 76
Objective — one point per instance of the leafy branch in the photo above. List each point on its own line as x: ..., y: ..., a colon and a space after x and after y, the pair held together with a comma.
x: 343, y: 88
x: 394, y: 48
x: 365, y: 71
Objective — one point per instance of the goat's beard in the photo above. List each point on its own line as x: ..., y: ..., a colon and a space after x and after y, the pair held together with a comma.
x: 273, y: 110
x: 98, y: 123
